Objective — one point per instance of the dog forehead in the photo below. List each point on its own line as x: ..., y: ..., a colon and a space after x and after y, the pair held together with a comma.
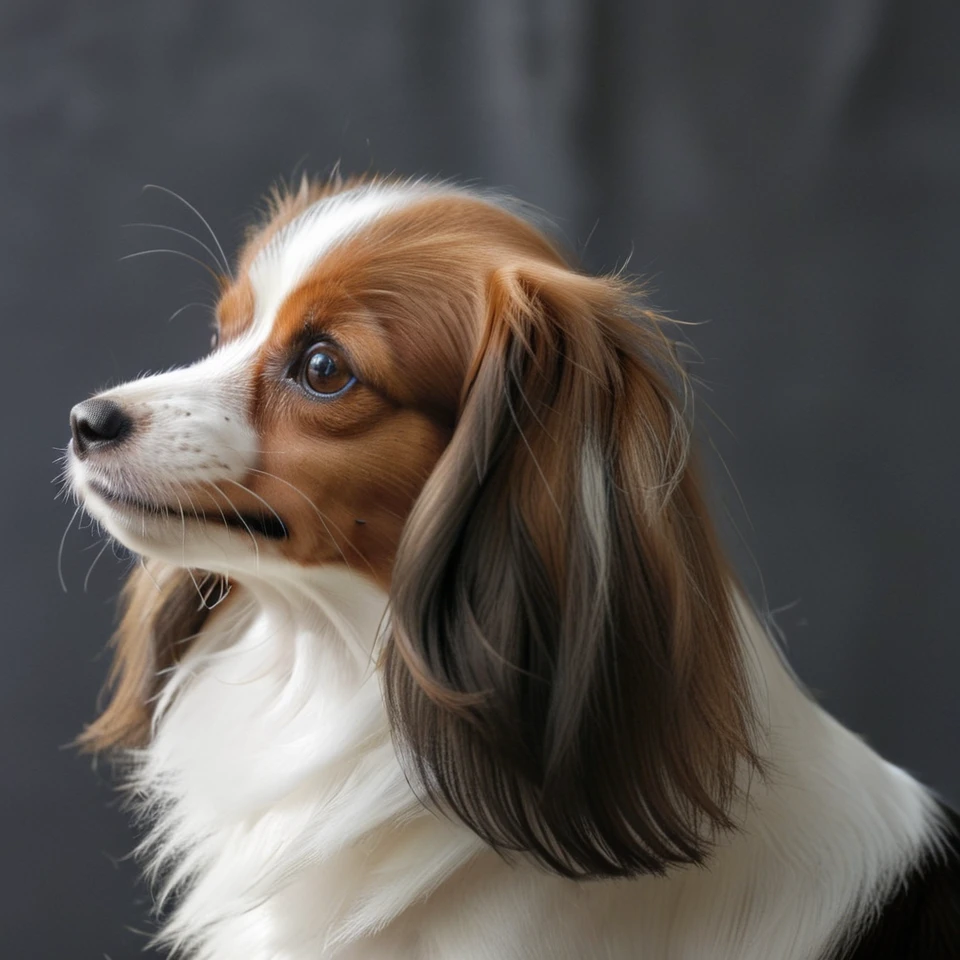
x: 286, y: 260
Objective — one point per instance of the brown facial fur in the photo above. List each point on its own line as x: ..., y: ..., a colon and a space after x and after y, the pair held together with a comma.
x: 563, y: 671
x: 403, y: 299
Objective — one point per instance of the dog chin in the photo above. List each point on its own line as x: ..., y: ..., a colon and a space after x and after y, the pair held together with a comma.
x: 184, y: 541
x: 136, y: 528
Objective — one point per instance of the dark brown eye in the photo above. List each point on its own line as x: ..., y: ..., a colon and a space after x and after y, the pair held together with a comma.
x: 215, y: 339
x: 325, y: 371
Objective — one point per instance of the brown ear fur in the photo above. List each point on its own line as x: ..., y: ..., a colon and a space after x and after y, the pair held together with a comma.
x: 161, y: 613
x: 563, y: 669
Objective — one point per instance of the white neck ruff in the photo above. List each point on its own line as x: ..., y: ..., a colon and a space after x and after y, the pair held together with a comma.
x: 279, y: 813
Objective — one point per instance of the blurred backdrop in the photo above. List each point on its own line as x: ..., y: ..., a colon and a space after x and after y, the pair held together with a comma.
x: 788, y: 176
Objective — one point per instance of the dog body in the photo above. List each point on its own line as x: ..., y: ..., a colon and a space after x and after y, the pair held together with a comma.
x: 426, y: 466
x: 292, y: 808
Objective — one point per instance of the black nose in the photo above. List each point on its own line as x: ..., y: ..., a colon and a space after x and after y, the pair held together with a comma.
x: 97, y: 424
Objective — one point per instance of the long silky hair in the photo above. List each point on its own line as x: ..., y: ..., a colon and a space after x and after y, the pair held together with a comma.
x: 563, y: 670
x: 161, y: 614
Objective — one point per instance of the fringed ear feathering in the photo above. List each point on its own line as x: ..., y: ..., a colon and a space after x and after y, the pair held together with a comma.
x: 563, y: 671
x: 161, y: 613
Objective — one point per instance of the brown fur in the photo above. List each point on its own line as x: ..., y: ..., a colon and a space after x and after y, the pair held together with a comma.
x: 161, y: 615
x: 563, y: 671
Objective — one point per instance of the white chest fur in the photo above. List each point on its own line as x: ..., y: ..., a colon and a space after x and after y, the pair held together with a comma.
x: 279, y: 812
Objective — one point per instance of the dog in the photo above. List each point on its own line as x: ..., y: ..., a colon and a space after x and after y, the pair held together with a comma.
x: 433, y: 651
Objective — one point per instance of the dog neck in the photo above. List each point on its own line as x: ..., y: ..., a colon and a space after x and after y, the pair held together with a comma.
x: 280, y: 812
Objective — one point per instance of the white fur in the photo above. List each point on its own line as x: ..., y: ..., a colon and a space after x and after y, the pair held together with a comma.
x: 282, y: 265
x: 277, y: 801
x: 197, y: 425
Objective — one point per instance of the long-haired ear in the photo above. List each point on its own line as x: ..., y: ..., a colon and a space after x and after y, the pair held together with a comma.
x: 563, y: 670
x: 161, y: 612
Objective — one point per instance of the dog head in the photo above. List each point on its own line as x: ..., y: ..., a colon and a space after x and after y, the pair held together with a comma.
x: 412, y: 381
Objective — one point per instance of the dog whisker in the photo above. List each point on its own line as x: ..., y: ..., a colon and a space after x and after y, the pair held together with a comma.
x: 200, y: 217
x: 246, y: 526
x: 178, y: 253
x: 320, y: 515
x: 258, y: 497
x: 187, y: 306
x: 148, y: 572
x: 183, y: 543
x: 63, y: 540
x: 103, y: 548
x: 179, y: 232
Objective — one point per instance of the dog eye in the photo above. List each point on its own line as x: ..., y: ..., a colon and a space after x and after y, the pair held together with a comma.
x: 325, y: 371
x: 215, y: 339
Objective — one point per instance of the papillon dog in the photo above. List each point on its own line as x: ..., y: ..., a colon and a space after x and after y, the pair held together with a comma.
x: 432, y: 652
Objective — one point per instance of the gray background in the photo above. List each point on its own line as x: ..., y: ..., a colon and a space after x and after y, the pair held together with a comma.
x: 787, y: 173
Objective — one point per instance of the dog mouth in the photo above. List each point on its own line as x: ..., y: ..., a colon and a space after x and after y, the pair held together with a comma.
x: 264, y: 523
